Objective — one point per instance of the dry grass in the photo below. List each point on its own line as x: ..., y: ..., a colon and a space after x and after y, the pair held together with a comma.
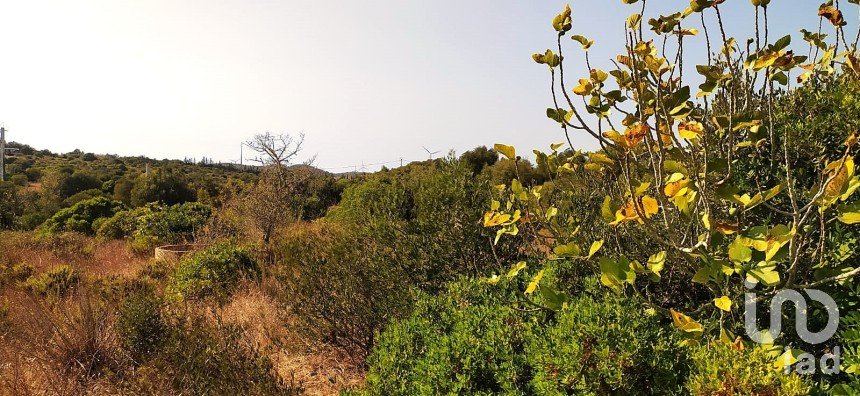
x: 69, y: 346
x: 64, y: 348
x: 319, y: 370
x: 96, y: 258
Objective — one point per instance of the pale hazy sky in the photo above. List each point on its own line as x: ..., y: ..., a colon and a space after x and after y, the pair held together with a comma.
x: 367, y: 81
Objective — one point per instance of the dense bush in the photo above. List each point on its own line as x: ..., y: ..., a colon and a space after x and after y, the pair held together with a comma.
x: 206, y: 359
x: 172, y: 224
x: 71, y: 184
x: 418, y: 227
x: 82, y: 215
x: 140, y: 325
x: 10, y: 205
x: 721, y: 370
x: 166, y: 186
x: 430, y: 216
x: 213, y: 271
x: 155, y: 224
x: 55, y: 282
x: 473, y: 340
x: 342, y: 288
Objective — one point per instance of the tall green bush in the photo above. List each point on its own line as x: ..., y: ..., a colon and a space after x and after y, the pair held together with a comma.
x: 81, y: 216
x: 474, y: 340
x: 213, y: 271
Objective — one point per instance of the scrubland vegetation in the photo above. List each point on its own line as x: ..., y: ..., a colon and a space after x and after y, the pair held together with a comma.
x: 614, y: 272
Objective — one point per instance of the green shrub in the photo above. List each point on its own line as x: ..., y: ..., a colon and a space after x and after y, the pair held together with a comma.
x: 4, y: 316
x: 54, y: 282
x: 173, y: 224
x: 140, y: 325
x: 156, y: 269
x: 167, y: 186
x: 203, y: 359
x: 213, y: 271
x: 156, y: 224
x: 473, y: 340
x: 721, y: 370
x: 15, y: 273
x: 342, y: 288
x: 81, y: 216
x: 121, y: 225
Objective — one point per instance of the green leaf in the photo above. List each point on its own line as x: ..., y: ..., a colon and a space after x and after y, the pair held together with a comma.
x: 723, y: 303
x: 585, y: 41
x: 507, y: 151
x: 765, y: 274
x: 568, y: 250
x: 607, y: 210
x: 552, y: 298
x: 614, y: 272
x: 656, y: 263
x: 782, y: 43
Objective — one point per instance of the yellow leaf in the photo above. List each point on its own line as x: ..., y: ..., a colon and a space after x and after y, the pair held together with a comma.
x: 686, y: 323
x: 691, y: 130
x: 650, y: 206
x: 515, y: 270
x: 840, y: 180
x: 507, y: 151
x: 492, y: 219
x: 724, y: 303
x: 534, y: 283
x: 635, y: 134
x: 595, y: 246
x: 584, y: 88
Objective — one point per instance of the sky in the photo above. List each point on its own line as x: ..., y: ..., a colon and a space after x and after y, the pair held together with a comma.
x: 367, y: 82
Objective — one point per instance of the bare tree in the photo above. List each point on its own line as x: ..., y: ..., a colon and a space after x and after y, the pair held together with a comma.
x: 276, y: 199
x: 276, y: 149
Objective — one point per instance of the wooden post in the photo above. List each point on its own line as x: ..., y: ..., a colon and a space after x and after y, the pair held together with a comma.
x: 2, y: 154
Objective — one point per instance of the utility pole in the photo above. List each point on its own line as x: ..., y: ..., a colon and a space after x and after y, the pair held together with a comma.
x: 2, y: 154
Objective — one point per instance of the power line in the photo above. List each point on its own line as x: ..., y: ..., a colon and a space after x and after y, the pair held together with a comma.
x: 364, y: 166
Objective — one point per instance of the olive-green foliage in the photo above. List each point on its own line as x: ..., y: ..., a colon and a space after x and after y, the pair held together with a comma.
x: 155, y: 224
x: 849, y: 342
x: 83, y: 196
x: 720, y: 370
x: 413, y: 227
x: 204, y: 359
x: 15, y: 273
x: 431, y: 217
x: 167, y: 186
x: 479, y: 158
x: 213, y: 271
x: 474, y: 340
x: 81, y: 216
x: 139, y: 323
x: 71, y: 184
x: 123, y: 224
x: 55, y: 282
x: 173, y: 224
x: 342, y: 286
x: 10, y: 205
